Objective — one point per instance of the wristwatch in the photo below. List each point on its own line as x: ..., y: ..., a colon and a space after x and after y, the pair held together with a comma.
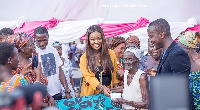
x: 67, y: 91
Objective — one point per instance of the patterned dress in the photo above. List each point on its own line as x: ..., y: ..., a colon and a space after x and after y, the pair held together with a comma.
x: 68, y: 71
x: 16, y: 81
x: 195, y: 88
x: 31, y: 78
x: 120, y: 65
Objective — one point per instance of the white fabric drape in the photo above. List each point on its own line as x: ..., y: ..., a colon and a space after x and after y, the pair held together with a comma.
x: 177, y: 27
x: 70, y: 31
x: 12, y: 24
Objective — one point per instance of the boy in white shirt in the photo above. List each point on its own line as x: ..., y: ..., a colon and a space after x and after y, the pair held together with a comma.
x: 51, y: 64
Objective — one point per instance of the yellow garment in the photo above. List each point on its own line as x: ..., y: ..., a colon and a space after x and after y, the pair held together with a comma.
x: 89, y: 88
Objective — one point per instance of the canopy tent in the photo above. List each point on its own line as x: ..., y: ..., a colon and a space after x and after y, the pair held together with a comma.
x: 68, y: 20
x: 68, y: 31
x: 110, y: 10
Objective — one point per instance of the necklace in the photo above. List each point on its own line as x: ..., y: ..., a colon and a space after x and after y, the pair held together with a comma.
x: 100, y: 76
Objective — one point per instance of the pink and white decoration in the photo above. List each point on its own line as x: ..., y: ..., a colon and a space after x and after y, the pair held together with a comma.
x: 68, y: 31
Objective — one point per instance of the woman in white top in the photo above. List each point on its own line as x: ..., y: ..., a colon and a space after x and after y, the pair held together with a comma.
x: 135, y: 93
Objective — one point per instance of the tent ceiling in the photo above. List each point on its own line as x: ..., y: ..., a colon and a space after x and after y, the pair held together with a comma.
x: 38, y: 10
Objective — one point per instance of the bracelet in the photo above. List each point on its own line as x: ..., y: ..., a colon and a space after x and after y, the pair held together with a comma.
x: 67, y: 91
x: 101, y: 87
x: 37, y: 82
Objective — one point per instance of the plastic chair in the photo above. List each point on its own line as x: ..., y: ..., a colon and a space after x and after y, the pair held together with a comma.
x: 78, y: 78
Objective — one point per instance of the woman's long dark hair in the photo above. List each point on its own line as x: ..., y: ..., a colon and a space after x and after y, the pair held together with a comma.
x: 105, y: 56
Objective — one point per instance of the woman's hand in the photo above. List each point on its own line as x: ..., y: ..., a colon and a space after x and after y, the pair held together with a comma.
x: 118, y: 89
x: 106, y: 91
x: 38, y: 72
x: 120, y: 73
x: 27, y: 69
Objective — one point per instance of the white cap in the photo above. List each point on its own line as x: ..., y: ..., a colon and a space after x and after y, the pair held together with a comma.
x: 134, y: 50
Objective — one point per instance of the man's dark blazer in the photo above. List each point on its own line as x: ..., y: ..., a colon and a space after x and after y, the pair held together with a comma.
x: 174, y: 62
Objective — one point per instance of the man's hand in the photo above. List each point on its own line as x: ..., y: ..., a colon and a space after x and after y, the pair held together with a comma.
x: 51, y: 101
x: 118, y: 89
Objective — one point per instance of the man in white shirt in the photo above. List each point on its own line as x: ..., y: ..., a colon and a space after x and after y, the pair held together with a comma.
x: 51, y: 64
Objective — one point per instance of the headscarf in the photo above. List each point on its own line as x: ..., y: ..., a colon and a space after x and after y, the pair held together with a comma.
x: 133, y: 39
x: 190, y: 39
x: 56, y: 43
x: 19, y: 39
x: 134, y: 50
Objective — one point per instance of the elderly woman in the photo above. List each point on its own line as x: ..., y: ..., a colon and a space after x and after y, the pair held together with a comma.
x: 133, y: 41
x: 190, y: 42
x: 25, y: 45
x: 117, y: 44
x: 135, y: 92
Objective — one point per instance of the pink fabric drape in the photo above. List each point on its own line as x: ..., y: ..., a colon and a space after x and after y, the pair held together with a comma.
x: 111, y: 30
x: 29, y: 27
x: 195, y: 28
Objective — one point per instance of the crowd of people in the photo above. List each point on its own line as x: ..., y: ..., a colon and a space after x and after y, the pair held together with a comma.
x: 110, y: 67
